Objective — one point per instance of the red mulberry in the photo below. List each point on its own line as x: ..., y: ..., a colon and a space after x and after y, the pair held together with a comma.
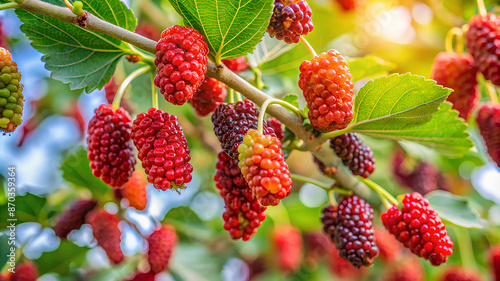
x: 483, y: 43
x: 488, y: 121
x: 419, y: 228
x: 354, y: 154
x: 181, y: 58
x: 409, y: 269
x: 289, y: 246
x: 457, y: 71
x: 161, y: 245
x: 11, y: 93
x: 389, y: 248
x: 109, y: 146
x: 232, y: 121
x: 495, y: 262
x: 243, y: 213
x: 327, y: 86
x: 264, y: 168
x: 455, y: 273
x: 208, y: 96
x: 290, y: 20
x: 143, y: 276
x: 277, y: 127
x: 163, y: 149
x: 73, y: 218
x: 350, y: 227
x: 106, y: 232
x: 26, y: 271
x: 237, y: 64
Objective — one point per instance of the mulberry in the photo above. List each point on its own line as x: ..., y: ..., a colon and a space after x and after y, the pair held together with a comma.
x: 135, y: 191
x: 354, y: 154
x: 237, y: 64
x: 289, y: 246
x: 11, y: 93
x: 208, y: 96
x: 290, y: 20
x: 73, y: 218
x: 161, y: 245
x: 106, y: 232
x: 488, y: 121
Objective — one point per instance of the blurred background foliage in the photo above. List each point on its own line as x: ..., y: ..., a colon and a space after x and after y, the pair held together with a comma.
x: 52, y: 168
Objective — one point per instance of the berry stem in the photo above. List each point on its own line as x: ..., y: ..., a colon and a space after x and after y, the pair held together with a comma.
x: 257, y: 77
x: 144, y: 58
x: 230, y: 95
x: 491, y: 91
x: 337, y: 133
x: 238, y: 96
x: 331, y: 198
x: 68, y: 4
x: 481, y: 7
x: 10, y: 5
x: 263, y: 108
x: 465, y: 247
x: 459, y: 34
x: 382, y: 193
x: 154, y: 91
x: 125, y: 83
x: 310, y: 180
x: 308, y: 46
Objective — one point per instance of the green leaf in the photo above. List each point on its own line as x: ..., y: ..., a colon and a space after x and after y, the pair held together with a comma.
x: 368, y: 66
x: 31, y: 208
x: 409, y: 107
x: 186, y: 221
x: 292, y: 99
x: 232, y: 28
x: 267, y: 50
x: 81, y: 57
x: 195, y: 263
x: 454, y: 209
x: 76, y: 169
x: 59, y: 260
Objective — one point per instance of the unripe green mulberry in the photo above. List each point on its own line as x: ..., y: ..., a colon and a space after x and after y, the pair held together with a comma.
x: 11, y: 93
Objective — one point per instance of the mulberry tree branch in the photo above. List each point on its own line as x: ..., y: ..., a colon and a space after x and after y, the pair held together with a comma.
x: 312, y: 143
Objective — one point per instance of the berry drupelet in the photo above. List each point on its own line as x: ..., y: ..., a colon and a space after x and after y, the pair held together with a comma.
x: 290, y: 20
x: 419, y: 228
x: 181, y: 58
x: 354, y: 154
x: 350, y: 227
x: 327, y: 87
x: 163, y: 149
x: 243, y: 213
x: 109, y: 146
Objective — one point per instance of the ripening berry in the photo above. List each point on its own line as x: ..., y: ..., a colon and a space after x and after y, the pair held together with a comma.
x: 327, y: 87
x: 354, y: 153
x: 109, y: 146
x: 457, y: 273
x: 73, y: 218
x: 163, y: 149
x: 458, y: 72
x: 420, y: 229
x: 341, y: 268
x: 135, y: 191
x: 483, y: 43
x: 11, y: 93
x: 181, y: 58
x: 349, y: 5
x: 488, y: 122
x: 264, y: 168
x: 390, y: 249
x: 208, y: 96
x: 232, y: 121
x: 106, y: 232
x: 289, y: 246
x: 243, y: 213
x: 290, y: 20
x: 350, y: 227
x: 237, y: 64
x: 161, y: 244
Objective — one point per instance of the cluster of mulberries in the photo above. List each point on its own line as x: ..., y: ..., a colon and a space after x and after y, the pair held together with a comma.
x: 350, y: 227
x: 327, y: 86
x: 106, y: 232
x: 243, y: 213
x: 109, y: 146
x: 163, y: 149
x: 181, y: 58
x: 419, y: 228
x: 161, y: 245
x: 354, y: 154
x: 74, y: 217
x: 264, y: 168
x: 290, y: 20
x: 232, y: 121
